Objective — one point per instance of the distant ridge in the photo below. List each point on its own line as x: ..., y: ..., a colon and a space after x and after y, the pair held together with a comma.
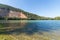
x: 5, y: 10
x: 10, y: 7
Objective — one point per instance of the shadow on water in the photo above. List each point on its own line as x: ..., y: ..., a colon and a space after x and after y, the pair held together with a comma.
x: 24, y: 27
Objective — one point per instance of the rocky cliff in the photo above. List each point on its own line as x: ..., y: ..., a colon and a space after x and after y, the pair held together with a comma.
x: 6, y: 12
x: 14, y: 14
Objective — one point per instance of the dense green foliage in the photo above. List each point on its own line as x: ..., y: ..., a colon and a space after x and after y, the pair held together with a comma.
x: 30, y: 16
x: 57, y: 18
x: 36, y: 17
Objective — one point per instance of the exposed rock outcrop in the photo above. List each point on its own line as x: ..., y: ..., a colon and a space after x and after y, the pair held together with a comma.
x: 11, y: 14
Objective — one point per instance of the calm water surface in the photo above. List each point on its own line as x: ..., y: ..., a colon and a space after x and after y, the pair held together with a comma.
x: 34, y: 25
x: 41, y: 27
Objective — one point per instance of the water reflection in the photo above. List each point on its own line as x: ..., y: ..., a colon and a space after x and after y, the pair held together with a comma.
x: 25, y: 27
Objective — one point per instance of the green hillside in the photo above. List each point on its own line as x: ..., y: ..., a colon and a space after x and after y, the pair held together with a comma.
x: 30, y: 16
x: 9, y: 7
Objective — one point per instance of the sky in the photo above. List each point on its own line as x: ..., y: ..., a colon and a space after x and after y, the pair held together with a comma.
x: 47, y: 8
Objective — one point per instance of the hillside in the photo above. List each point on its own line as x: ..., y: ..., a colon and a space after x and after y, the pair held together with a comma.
x: 28, y: 15
x: 9, y: 7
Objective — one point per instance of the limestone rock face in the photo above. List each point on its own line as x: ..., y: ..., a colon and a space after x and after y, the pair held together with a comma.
x: 17, y: 14
x: 3, y: 12
x: 11, y: 14
x: 22, y: 15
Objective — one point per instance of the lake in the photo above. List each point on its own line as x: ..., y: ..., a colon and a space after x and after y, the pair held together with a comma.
x: 33, y: 29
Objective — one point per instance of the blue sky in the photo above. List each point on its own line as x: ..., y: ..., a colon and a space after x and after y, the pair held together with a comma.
x: 48, y: 8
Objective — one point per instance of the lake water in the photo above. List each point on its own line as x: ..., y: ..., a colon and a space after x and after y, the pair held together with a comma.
x: 50, y: 29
